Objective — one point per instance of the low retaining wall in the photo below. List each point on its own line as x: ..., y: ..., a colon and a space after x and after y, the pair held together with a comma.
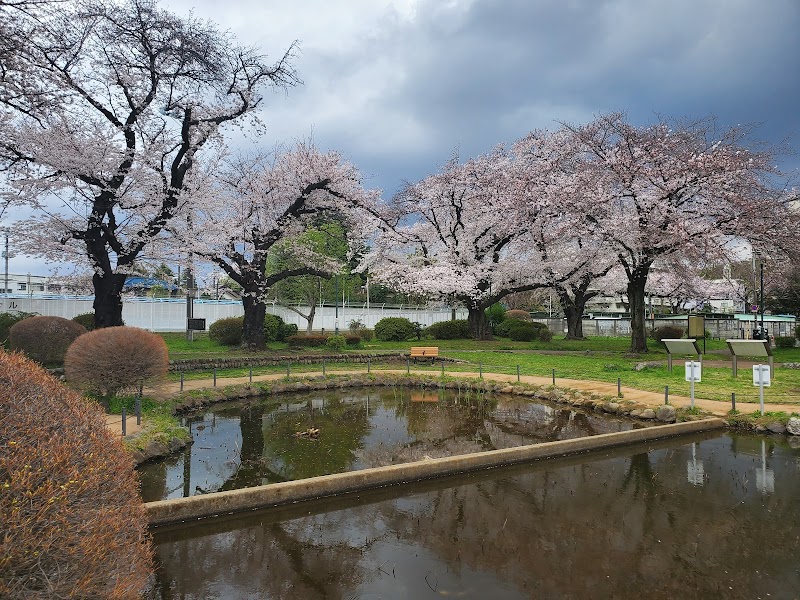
x: 166, y: 512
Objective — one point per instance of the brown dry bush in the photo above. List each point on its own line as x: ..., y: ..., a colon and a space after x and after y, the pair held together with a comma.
x: 44, y: 339
x: 72, y: 521
x: 109, y: 360
x: 522, y: 315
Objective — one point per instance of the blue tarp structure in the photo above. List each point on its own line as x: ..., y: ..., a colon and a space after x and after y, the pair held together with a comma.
x: 147, y: 283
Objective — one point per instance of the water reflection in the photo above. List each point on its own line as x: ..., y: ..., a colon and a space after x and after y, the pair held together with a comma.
x: 239, y: 445
x: 627, y: 524
x: 694, y: 468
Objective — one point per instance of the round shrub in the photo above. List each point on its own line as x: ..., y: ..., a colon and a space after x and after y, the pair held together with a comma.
x: 72, y: 519
x: 228, y: 331
x: 108, y: 360
x: 519, y: 315
x: 449, y: 330
x: 276, y: 329
x: 7, y: 321
x: 336, y: 343
x: 85, y: 319
x: 667, y: 332
x: 396, y: 329
x: 784, y: 342
x: 44, y: 339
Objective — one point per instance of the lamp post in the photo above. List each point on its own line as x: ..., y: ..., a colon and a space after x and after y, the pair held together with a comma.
x: 336, y: 304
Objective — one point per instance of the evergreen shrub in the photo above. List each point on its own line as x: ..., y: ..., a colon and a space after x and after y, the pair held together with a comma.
x: 85, y: 319
x: 7, y: 321
x: 785, y: 342
x: 336, y: 343
x: 44, y: 339
x: 228, y: 331
x: 108, y: 360
x: 73, y: 524
x: 395, y: 329
x: 668, y: 332
x: 449, y: 330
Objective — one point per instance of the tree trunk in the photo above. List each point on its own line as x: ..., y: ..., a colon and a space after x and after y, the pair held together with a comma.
x: 636, y: 301
x: 310, y: 319
x: 478, y: 324
x: 574, y: 315
x: 253, y: 331
x: 107, y: 299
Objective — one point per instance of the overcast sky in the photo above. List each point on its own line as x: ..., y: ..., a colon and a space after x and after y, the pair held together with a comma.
x: 398, y: 85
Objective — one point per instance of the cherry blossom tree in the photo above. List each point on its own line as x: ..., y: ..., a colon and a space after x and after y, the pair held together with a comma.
x: 464, y: 234
x: 655, y: 191
x: 257, y: 203
x: 104, y: 114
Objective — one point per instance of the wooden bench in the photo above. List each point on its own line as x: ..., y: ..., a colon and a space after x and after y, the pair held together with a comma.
x: 431, y: 352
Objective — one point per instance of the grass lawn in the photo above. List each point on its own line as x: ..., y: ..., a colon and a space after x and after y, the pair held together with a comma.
x: 601, y: 359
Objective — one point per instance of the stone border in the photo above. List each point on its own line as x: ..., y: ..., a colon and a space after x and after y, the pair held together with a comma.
x: 166, y: 512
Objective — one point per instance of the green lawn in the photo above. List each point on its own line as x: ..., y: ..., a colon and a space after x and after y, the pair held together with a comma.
x: 601, y: 359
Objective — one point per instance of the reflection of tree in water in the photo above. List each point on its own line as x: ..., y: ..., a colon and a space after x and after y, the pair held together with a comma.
x: 271, y: 561
x: 342, y: 427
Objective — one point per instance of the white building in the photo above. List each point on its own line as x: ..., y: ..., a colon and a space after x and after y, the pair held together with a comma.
x: 27, y: 285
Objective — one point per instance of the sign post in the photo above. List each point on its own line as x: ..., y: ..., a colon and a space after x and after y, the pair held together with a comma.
x: 694, y: 372
x: 761, y: 379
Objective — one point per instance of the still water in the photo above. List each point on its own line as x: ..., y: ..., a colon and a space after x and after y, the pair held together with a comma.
x: 241, y: 445
x: 697, y: 517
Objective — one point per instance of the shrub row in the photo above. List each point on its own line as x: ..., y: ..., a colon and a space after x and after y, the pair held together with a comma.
x: 229, y: 331
x: 523, y: 331
x: 449, y: 330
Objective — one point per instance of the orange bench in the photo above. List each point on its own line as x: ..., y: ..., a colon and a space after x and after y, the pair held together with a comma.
x: 431, y: 352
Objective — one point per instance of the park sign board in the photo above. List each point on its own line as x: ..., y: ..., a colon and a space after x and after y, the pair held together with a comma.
x: 196, y: 324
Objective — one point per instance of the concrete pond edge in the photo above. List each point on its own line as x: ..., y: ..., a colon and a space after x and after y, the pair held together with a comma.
x: 182, y: 510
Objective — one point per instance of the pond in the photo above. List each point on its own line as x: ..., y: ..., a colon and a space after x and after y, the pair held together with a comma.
x: 705, y: 516
x: 245, y: 444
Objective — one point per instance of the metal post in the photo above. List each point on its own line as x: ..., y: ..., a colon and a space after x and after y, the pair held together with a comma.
x: 554, y: 376
x: 124, y: 424
x: 139, y: 409
x: 666, y: 394
x: 215, y: 376
x: 619, y: 387
x: 288, y: 368
x: 408, y: 366
x: 517, y: 373
x: 323, y: 367
x: 480, y: 370
x: 442, y: 363
x: 181, y: 380
x: 691, y: 388
x: 369, y: 364
x: 761, y: 387
x: 669, y: 362
x: 251, y: 374
x: 733, y: 400
x: 761, y: 306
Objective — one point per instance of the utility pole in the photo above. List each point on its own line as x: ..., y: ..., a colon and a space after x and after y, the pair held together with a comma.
x: 5, y: 256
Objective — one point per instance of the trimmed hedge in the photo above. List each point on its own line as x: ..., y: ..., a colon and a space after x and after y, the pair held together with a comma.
x: 228, y: 331
x: 668, y: 332
x: 44, y: 339
x: 503, y: 329
x: 784, y: 342
x: 307, y: 340
x: 449, y: 330
x: 73, y: 521
x: 394, y: 329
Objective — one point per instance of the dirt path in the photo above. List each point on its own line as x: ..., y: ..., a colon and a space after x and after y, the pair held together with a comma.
x: 114, y: 424
x: 651, y: 399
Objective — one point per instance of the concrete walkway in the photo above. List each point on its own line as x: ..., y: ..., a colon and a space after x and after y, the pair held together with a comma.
x: 651, y: 399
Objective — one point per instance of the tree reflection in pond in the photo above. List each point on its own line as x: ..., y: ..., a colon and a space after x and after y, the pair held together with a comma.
x: 239, y: 445
x: 623, y: 524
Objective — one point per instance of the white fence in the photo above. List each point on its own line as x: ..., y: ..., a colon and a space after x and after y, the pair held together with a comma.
x: 169, y: 314
x: 719, y: 328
